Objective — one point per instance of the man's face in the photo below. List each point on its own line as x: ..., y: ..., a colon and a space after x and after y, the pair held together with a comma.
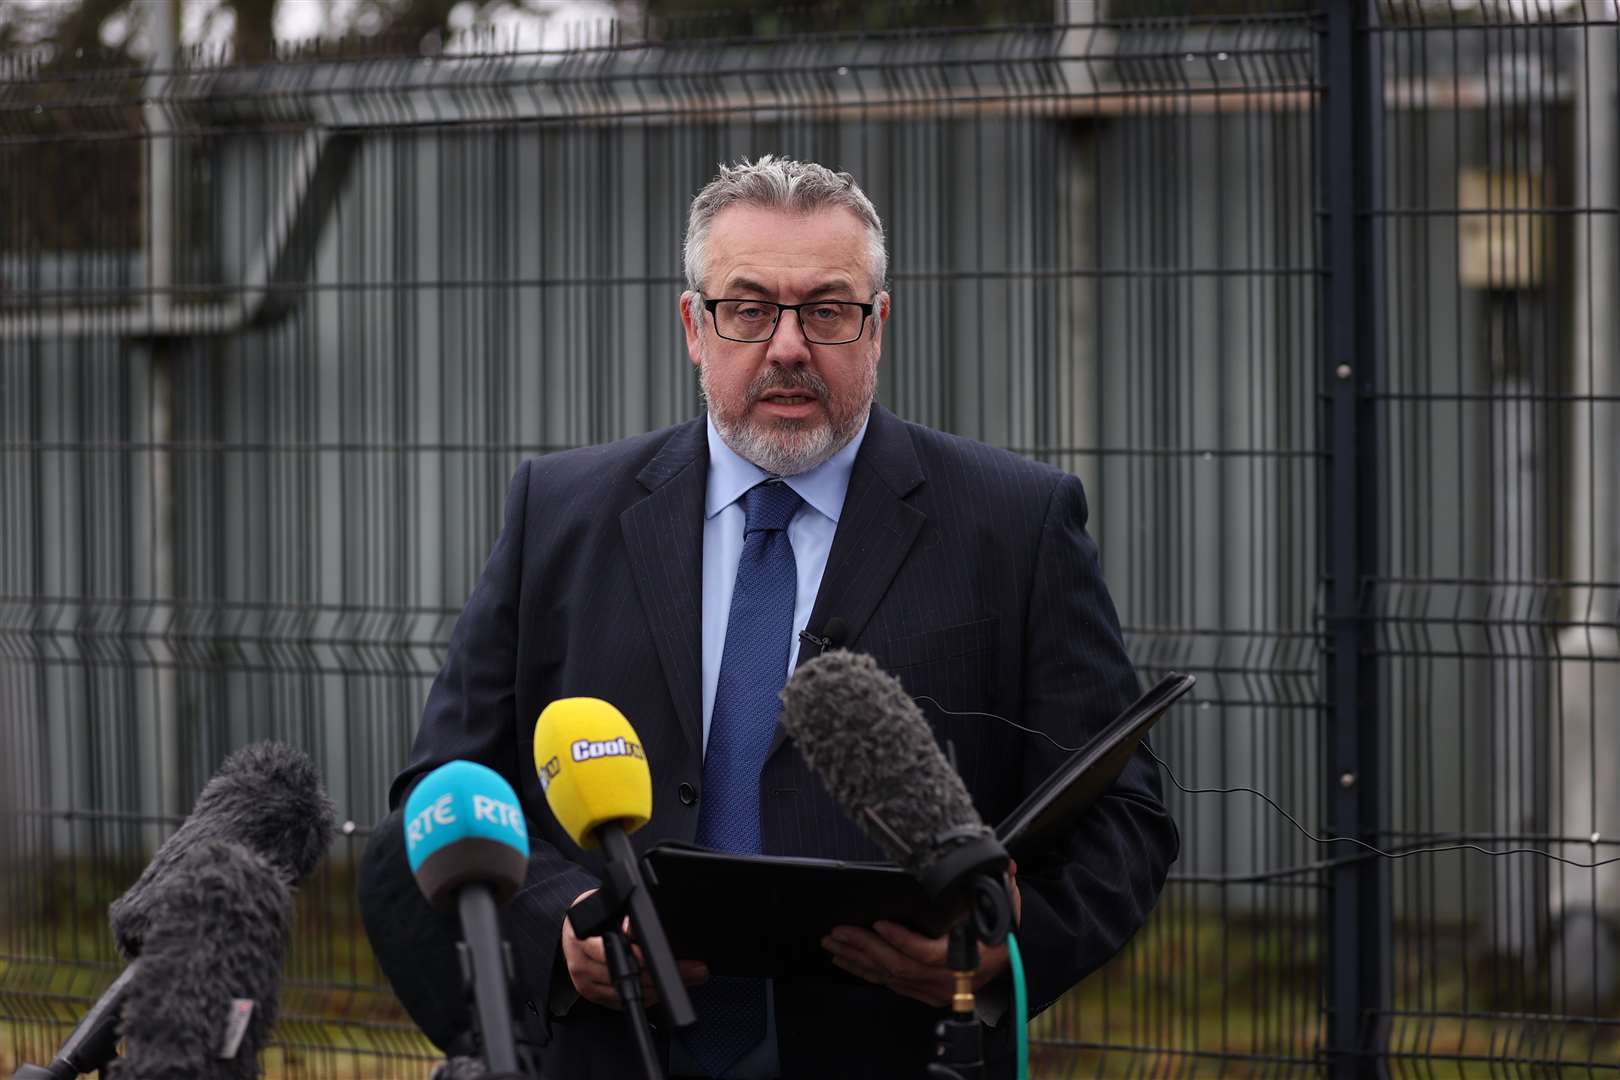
x: 785, y: 404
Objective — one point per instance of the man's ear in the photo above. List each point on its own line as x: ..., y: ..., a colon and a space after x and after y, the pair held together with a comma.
x: 880, y: 313
x: 693, y: 329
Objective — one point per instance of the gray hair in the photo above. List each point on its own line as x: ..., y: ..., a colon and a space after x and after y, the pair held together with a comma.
x: 776, y: 183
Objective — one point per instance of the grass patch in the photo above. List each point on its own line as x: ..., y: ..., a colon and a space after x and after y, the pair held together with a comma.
x: 1193, y: 995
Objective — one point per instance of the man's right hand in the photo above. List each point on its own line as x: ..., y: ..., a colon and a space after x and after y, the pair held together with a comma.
x: 587, y: 966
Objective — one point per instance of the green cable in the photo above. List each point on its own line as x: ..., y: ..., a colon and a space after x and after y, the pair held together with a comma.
x: 1020, y: 1006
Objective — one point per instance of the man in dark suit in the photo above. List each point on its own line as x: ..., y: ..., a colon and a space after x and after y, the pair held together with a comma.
x: 672, y: 573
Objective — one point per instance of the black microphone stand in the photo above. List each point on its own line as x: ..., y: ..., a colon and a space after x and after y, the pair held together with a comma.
x: 974, y: 868
x: 487, y: 975
x: 601, y: 914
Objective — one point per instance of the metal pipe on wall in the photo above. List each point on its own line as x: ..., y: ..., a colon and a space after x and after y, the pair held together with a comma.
x: 161, y: 151
x: 1584, y: 960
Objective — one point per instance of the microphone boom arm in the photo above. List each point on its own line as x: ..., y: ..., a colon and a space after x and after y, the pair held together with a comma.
x: 650, y: 930
x: 484, y: 963
x: 94, y: 1043
x: 624, y: 891
x: 959, y: 1049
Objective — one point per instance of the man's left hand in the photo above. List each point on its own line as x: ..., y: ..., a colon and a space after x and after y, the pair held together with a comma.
x: 910, y: 964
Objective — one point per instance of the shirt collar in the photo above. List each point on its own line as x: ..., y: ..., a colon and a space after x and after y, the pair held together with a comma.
x: 823, y: 487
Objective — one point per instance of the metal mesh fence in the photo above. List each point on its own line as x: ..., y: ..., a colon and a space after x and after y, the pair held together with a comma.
x: 1493, y: 600
x: 272, y: 338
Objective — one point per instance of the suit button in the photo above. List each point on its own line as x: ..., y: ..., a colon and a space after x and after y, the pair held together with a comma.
x: 688, y: 794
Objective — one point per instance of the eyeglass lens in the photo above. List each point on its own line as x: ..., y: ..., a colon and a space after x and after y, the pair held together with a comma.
x: 830, y: 323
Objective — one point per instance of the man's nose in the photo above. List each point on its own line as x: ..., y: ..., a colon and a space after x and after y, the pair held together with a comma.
x: 787, y: 345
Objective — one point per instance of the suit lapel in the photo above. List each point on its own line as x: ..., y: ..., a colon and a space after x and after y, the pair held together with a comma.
x: 663, y: 534
x: 875, y: 532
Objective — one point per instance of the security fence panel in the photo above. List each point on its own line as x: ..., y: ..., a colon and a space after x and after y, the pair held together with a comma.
x: 1493, y: 594
x: 1319, y: 302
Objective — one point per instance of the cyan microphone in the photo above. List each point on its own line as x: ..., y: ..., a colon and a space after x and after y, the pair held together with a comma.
x: 265, y: 798
x: 863, y: 735
x: 468, y: 845
x: 202, y: 997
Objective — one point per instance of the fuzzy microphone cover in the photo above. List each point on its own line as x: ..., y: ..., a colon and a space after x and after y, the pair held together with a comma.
x: 218, y: 927
x: 863, y: 735
x: 266, y: 797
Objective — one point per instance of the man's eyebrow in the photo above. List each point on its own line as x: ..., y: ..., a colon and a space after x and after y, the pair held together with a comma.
x: 737, y: 285
x: 831, y: 285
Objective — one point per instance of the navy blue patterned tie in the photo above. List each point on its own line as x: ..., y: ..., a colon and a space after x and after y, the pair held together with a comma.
x: 753, y: 669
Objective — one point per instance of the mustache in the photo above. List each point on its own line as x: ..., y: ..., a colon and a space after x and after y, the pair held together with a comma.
x: 778, y: 379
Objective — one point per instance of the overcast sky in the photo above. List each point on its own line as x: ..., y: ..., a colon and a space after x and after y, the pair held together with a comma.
x: 553, y: 24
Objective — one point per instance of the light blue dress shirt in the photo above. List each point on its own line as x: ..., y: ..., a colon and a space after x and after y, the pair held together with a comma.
x: 811, y: 534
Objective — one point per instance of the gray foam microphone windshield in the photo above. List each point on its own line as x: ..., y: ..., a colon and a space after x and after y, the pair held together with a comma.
x: 266, y: 797
x: 204, y: 998
x: 867, y: 740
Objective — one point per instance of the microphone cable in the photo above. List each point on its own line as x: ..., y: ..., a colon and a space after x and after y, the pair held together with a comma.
x: 1269, y: 801
x: 1015, y: 960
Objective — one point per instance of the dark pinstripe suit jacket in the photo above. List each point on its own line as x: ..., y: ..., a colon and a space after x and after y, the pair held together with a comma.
x: 964, y: 570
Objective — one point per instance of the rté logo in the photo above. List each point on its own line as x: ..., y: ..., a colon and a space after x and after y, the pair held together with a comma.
x: 441, y: 813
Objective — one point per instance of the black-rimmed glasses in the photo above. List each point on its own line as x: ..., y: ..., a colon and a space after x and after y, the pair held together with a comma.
x: 823, y: 322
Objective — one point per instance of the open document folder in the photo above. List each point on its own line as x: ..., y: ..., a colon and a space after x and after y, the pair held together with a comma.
x: 766, y: 914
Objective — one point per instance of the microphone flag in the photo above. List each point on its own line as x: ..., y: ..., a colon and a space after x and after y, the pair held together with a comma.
x: 592, y: 767
x: 463, y: 824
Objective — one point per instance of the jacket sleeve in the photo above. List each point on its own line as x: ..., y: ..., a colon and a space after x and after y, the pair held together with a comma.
x: 471, y: 715
x: 1082, y: 904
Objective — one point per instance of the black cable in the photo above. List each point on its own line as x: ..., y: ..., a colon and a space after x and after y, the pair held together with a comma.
x: 1291, y: 819
x: 1359, y: 843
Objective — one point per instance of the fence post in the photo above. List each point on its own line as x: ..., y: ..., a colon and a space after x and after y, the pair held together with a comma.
x: 162, y: 152
x: 1357, y: 926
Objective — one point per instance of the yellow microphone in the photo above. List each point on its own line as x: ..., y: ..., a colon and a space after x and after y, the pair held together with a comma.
x: 592, y: 768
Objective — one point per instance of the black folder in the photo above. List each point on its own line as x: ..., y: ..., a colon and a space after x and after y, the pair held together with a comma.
x: 766, y: 914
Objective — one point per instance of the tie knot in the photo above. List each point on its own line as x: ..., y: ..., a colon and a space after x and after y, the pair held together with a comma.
x: 770, y: 505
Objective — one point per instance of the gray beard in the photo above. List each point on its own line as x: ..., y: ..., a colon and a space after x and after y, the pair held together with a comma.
x: 787, y: 447
x: 784, y: 451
